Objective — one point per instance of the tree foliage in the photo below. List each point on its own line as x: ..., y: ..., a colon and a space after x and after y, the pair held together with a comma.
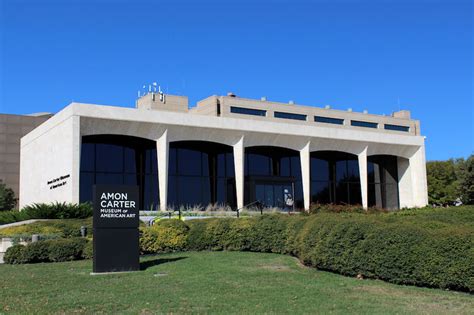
x: 7, y: 198
x: 450, y: 181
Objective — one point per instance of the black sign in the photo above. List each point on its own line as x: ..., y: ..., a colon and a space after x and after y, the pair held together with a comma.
x: 116, y: 220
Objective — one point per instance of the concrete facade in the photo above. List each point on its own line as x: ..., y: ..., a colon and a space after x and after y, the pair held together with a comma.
x: 50, y: 154
x: 12, y: 128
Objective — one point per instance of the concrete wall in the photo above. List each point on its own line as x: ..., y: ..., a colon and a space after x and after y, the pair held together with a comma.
x: 12, y: 128
x: 208, y: 106
x: 49, y: 162
x: 53, y: 149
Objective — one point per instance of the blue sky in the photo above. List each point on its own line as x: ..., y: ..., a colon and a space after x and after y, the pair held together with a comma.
x: 347, y: 54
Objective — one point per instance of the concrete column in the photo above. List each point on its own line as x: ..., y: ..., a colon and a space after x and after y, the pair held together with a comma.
x: 162, y: 153
x: 418, y: 178
x: 405, y: 191
x: 362, y: 157
x: 76, y: 158
x: 305, y: 161
x: 239, y: 158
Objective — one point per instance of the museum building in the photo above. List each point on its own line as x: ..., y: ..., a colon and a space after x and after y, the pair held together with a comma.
x: 226, y: 151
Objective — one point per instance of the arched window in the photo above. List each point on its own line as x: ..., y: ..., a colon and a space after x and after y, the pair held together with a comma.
x: 271, y: 174
x: 120, y: 160
x: 201, y: 173
x: 382, y: 173
x: 335, y: 178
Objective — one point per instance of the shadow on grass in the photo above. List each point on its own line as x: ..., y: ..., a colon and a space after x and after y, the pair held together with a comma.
x: 144, y: 265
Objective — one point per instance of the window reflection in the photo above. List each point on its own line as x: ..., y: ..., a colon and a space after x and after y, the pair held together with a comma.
x: 200, y: 173
x: 335, y: 178
x: 120, y: 160
x: 383, y: 181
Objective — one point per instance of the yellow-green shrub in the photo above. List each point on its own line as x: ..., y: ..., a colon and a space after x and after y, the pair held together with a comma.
x: 165, y: 236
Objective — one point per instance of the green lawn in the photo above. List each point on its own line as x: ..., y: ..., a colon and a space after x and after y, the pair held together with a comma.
x: 213, y: 282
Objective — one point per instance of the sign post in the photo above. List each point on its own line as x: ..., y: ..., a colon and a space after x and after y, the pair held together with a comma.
x: 116, y: 218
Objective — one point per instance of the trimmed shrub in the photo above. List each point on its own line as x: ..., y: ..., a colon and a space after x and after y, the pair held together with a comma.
x: 14, y: 255
x: 46, y: 251
x: 58, y: 210
x: 168, y: 235
x: 415, y: 249
x: 65, y: 249
x: 12, y: 216
x: 88, y: 251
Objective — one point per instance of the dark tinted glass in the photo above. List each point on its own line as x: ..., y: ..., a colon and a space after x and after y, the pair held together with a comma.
x: 172, y: 161
x: 320, y: 192
x: 258, y: 164
x: 189, y: 162
x: 230, y: 165
x: 86, y: 183
x: 342, y: 193
x: 365, y: 124
x: 247, y: 111
x: 202, y: 175
x: 296, y: 167
x: 290, y: 116
x: 341, y: 171
x: 285, y: 166
x: 353, y: 170
x: 130, y: 164
x: 87, y: 157
x: 109, y: 158
x: 119, y: 160
x: 109, y: 178
x: 383, y: 181
x: 329, y: 120
x: 319, y: 169
x: 397, y: 128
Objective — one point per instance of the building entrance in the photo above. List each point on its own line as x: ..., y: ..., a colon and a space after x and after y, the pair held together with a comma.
x: 275, y: 195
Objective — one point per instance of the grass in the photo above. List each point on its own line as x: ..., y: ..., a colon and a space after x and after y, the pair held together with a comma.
x: 213, y: 282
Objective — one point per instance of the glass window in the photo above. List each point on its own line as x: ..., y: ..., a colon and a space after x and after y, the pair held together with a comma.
x: 88, y: 157
x: 320, y: 192
x: 319, y: 169
x: 329, y: 120
x: 289, y: 116
x: 129, y: 160
x: 118, y: 160
x: 285, y: 166
x: 365, y: 124
x: 383, y: 181
x: 189, y: 162
x: 86, y: 184
x: 110, y: 158
x: 296, y: 166
x: 258, y: 164
x: 397, y: 128
x: 202, y: 178
x: 108, y: 179
x: 247, y: 111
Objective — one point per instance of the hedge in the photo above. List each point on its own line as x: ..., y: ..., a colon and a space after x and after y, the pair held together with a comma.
x: 48, y: 251
x: 372, y: 246
x: 55, y: 210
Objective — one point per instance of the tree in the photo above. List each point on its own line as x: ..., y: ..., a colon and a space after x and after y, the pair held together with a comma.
x: 7, y: 198
x: 466, y: 180
x: 443, y: 184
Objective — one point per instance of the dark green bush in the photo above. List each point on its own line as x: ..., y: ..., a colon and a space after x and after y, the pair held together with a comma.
x: 12, y: 216
x: 65, y: 249
x: 58, y: 210
x: 36, y: 252
x: 412, y: 250
x: 88, y: 252
x: 47, y: 211
x: 46, y: 251
x: 14, y: 255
